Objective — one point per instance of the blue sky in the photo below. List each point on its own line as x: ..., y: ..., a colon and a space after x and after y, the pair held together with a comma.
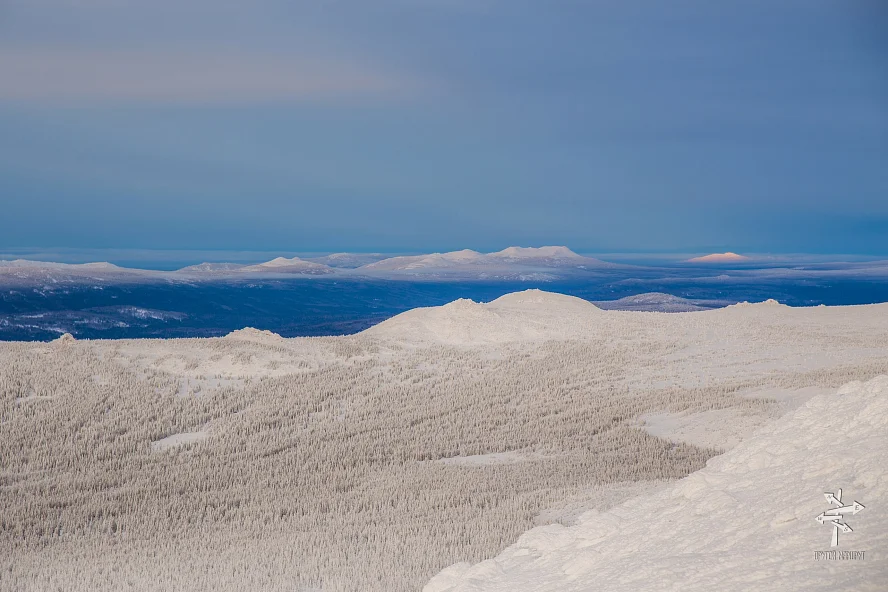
x: 399, y: 125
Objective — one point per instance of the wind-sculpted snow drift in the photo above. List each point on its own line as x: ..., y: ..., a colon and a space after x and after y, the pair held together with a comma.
x: 373, y: 461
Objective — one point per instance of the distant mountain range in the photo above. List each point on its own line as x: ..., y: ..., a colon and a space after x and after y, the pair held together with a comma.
x: 302, y: 296
x: 513, y: 263
x: 348, y: 260
x: 658, y: 302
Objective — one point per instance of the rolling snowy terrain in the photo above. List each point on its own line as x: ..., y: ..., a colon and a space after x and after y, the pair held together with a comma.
x: 344, y: 293
x: 524, y: 264
x: 513, y: 263
x: 439, y: 437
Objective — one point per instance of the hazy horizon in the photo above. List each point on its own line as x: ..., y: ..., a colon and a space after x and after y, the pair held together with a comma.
x: 171, y: 259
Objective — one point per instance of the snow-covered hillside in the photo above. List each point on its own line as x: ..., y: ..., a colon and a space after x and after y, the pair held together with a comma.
x: 218, y: 268
x: 373, y: 461
x: 430, y: 261
x: 513, y: 263
x: 348, y: 260
x: 24, y: 272
x: 657, y: 302
x: 525, y: 253
x: 528, y: 315
x: 744, y: 523
x: 719, y: 258
x: 293, y: 265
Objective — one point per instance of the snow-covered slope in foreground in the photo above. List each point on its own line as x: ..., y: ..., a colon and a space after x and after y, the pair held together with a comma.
x: 745, y: 522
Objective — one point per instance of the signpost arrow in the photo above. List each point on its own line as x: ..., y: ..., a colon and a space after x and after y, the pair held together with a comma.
x: 835, y: 516
x: 846, y: 509
x: 834, y: 498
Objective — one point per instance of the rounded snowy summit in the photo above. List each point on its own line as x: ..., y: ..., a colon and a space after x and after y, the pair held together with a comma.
x: 719, y: 258
x: 520, y: 316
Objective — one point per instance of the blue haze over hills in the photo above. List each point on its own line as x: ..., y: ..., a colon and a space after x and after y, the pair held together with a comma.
x: 139, y: 133
x: 346, y: 293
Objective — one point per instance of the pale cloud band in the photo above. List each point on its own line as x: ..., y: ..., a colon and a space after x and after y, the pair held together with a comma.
x: 160, y: 76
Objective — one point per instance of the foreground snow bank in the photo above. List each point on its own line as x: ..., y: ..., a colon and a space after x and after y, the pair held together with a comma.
x: 745, y: 522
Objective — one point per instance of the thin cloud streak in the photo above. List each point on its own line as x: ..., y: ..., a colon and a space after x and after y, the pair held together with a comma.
x: 66, y: 75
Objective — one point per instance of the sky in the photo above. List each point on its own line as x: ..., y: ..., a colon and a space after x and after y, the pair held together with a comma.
x: 428, y: 125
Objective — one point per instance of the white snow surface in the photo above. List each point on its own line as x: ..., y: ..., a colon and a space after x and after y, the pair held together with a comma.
x: 653, y: 302
x: 528, y: 315
x: 505, y: 263
x: 207, y: 267
x: 744, y: 523
x: 536, y: 253
x: 282, y: 262
x: 284, y: 265
x: 719, y: 258
x: 27, y: 263
x: 347, y: 260
x: 538, y: 264
x: 477, y: 367
x: 177, y: 440
x: 433, y: 260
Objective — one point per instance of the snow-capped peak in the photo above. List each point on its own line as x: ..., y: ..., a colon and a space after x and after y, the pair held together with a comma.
x: 284, y: 265
x: 283, y: 262
x: 551, y: 252
x: 99, y: 265
x: 530, y: 315
x: 728, y: 257
x: 463, y: 255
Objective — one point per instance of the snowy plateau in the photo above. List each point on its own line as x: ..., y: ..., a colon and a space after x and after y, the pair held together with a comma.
x: 535, y: 442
